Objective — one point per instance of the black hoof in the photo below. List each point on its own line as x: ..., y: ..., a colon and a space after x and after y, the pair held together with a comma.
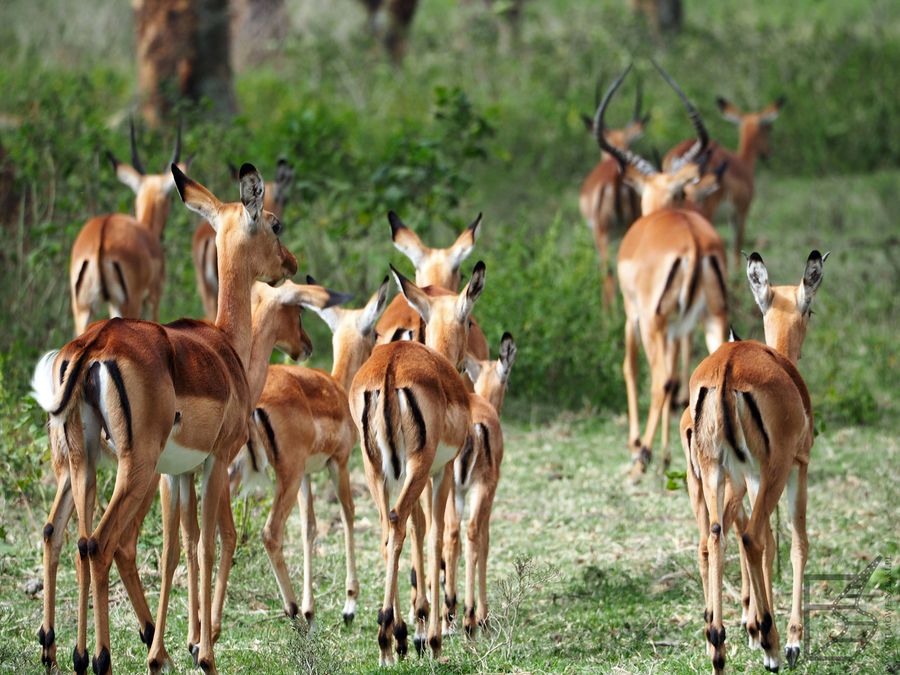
x: 195, y: 654
x: 792, y: 654
x: 348, y: 618
x: 401, y: 634
x: 420, y: 645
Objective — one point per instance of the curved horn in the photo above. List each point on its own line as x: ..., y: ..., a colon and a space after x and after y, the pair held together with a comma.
x: 135, y: 160
x: 623, y: 156
x: 702, y: 135
x: 176, y: 154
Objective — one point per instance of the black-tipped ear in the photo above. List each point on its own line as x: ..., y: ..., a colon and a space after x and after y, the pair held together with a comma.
x: 780, y: 101
x: 732, y: 335
x: 311, y: 281
x: 722, y: 103
x: 414, y: 295
x: 758, y: 277
x: 396, y: 223
x: 812, y: 278
x: 337, y: 298
x: 252, y: 191
x: 588, y: 122
x: 507, y: 357
x: 180, y: 180
x: 112, y: 160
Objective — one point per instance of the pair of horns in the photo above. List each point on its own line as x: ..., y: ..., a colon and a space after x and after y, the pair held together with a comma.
x: 638, y: 97
x: 135, y: 158
x: 626, y: 157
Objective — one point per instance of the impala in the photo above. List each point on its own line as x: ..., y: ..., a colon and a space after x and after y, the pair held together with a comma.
x: 436, y: 268
x: 118, y: 259
x: 302, y: 425
x: 171, y: 398
x: 477, y: 473
x: 671, y: 266
x: 411, y: 409
x: 606, y: 202
x: 749, y: 428
x: 203, y: 245
x: 737, y: 181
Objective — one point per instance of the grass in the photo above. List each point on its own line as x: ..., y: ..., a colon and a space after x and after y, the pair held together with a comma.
x: 614, y: 571
x: 609, y: 573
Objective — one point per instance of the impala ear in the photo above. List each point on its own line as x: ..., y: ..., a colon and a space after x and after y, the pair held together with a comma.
x: 472, y: 367
x: 405, y: 240
x: 125, y: 173
x: 759, y: 281
x: 771, y: 112
x: 415, y: 296
x: 252, y: 192
x: 729, y: 110
x: 373, y: 309
x: 464, y: 243
x: 196, y: 197
x: 507, y: 356
x: 471, y: 292
x: 812, y: 278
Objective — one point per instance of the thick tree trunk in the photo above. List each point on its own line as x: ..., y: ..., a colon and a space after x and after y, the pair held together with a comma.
x: 257, y: 29
x: 183, y: 49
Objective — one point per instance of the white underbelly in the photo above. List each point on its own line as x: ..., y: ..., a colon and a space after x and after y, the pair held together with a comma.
x: 315, y: 463
x: 444, y: 454
x: 176, y: 459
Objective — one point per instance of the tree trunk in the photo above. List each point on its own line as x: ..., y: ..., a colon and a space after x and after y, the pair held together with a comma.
x: 257, y: 29
x: 183, y: 52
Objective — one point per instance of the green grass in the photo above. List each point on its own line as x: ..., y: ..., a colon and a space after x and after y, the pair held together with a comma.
x: 464, y: 127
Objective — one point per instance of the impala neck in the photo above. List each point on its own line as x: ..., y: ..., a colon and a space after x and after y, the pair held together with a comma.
x: 152, y: 211
x: 261, y: 347
x: 343, y: 369
x: 747, y: 146
x: 234, y: 315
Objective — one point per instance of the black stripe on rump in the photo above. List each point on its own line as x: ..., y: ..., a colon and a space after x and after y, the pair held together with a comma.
x: 252, y: 451
x: 465, y: 458
x: 368, y: 440
x: 263, y: 417
x: 417, y: 418
x: 669, y: 281
x: 727, y: 422
x: 70, y: 384
x: 121, y: 276
x: 80, y: 278
x: 486, y: 435
x: 62, y: 370
x: 389, y: 397
x: 698, y: 408
x: 116, y: 376
x: 757, y: 417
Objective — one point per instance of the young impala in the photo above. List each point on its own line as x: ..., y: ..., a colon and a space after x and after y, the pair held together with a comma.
x: 118, y: 259
x: 302, y: 424
x: 671, y: 267
x: 411, y: 409
x: 605, y: 200
x: 169, y: 397
x: 436, y: 268
x: 477, y: 473
x: 737, y: 181
x: 203, y: 245
x: 749, y: 428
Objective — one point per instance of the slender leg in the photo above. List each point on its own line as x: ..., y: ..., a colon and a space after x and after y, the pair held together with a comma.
x: 630, y: 371
x: 54, y: 533
x: 487, y: 504
x: 714, y: 494
x: 158, y: 658
x: 796, y: 490
x: 654, y: 339
x: 228, y: 537
x: 308, y: 529
x: 126, y: 562
x: 190, y: 539
x: 286, y: 488
x: 420, y: 606
x: 450, y: 560
x: 600, y: 229
x: 671, y: 356
x: 440, y: 491
x: 340, y: 477
x: 215, y: 480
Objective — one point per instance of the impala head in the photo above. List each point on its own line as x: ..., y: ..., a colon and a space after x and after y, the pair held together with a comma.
x: 151, y: 202
x: 624, y: 136
x: 786, y: 309
x: 434, y: 266
x: 445, y: 313
x: 353, y: 332
x: 708, y: 184
x: 490, y: 377
x: 754, y: 126
x: 658, y: 190
x: 244, y: 231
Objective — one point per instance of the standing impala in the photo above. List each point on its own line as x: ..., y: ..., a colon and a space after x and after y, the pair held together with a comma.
x: 411, y: 409
x: 171, y: 398
x: 203, y: 244
x: 477, y: 472
x: 749, y: 428
x: 671, y: 267
x: 302, y: 424
x: 737, y: 181
x: 436, y: 268
x: 605, y: 200
x: 118, y: 259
